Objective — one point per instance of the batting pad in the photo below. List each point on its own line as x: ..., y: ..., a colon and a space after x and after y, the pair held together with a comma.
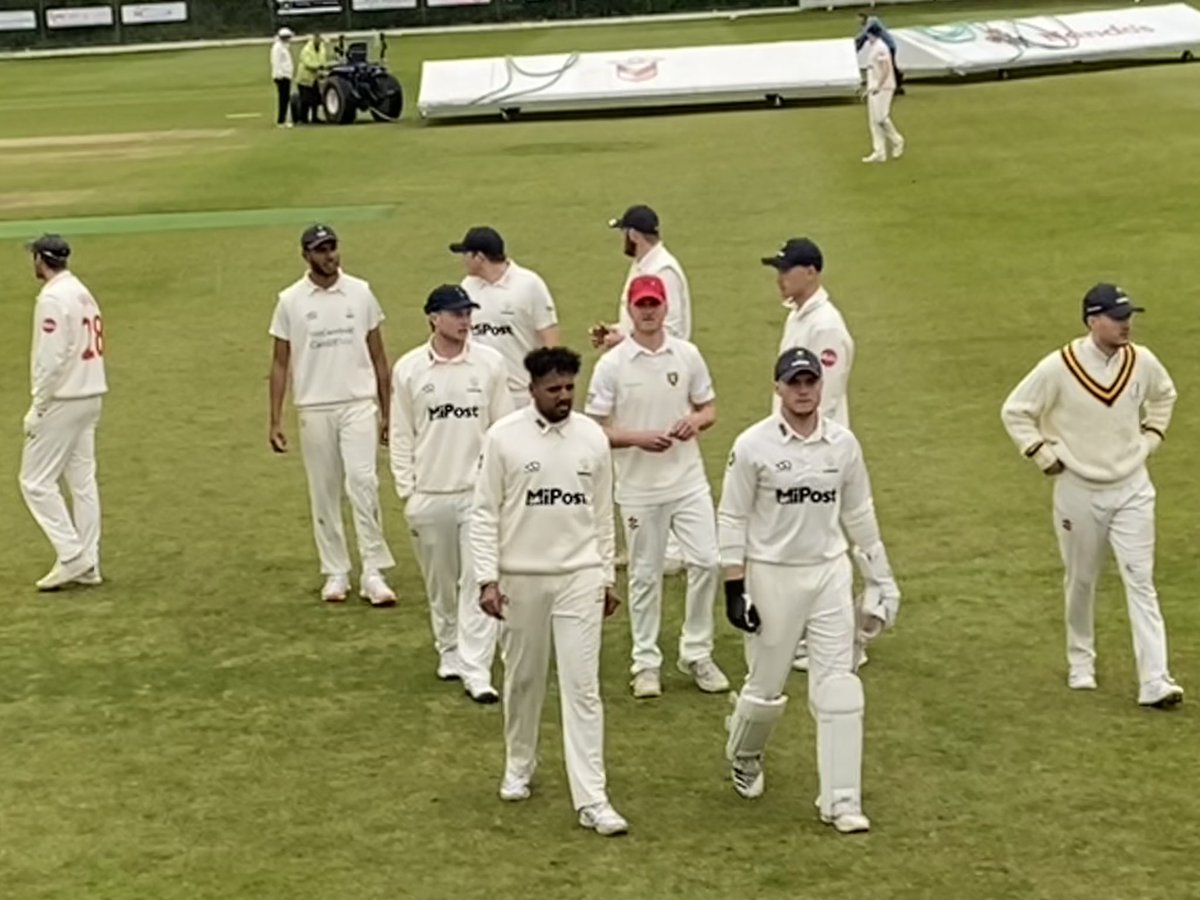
x: 839, y: 705
x: 751, y: 725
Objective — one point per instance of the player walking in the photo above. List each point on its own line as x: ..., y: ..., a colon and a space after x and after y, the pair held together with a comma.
x: 516, y: 312
x: 881, y: 88
x: 326, y: 327
x: 814, y: 322
x: 67, y: 384
x: 1090, y: 414
x: 795, y: 481
x: 446, y: 393
x: 542, y: 529
x: 654, y: 396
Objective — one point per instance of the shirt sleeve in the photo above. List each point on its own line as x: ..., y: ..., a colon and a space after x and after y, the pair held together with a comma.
x: 737, y: 504
x: 402, y: 440
x: 52, y: 349
x: 375, y: 314
x: 678, y: 316
x: 1023, y: 410
x: 833, y: 347
x: 858, y: 506
x: 279, y: 322
x: 602, y: 391
x: 500, y: 402
x: 485, y: 512
x: 602, y: 503
x: 1159, y: 404
x: 700, y: 383
x: 545, y: 315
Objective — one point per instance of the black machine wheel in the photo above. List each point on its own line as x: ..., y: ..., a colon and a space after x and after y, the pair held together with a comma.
x: 339, y: 101
x: 390, y: 97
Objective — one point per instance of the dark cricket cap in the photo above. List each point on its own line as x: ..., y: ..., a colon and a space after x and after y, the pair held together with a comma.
x: 639, y: 217
x: 480, y: 239
x: 797, y: 361
x: 316, y: 235
x: 796, y: 252
x: 875, y: 28
x: 1108, y: 300
x: 52, y: 247
x: 448, y: 298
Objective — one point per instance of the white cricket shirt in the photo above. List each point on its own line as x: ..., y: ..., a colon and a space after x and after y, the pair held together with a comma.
x: 511, y: 313
x: 1100, y: 416
x: 643, y: 390
x: 819, y: 327
x: 281, y: 60
x: 881, y: 74
x: 786, y: 499
x: 67, y: 358
x: 327, y: 330
x: 441, y: 409
x: 543, y: 498
x: 660, y: 262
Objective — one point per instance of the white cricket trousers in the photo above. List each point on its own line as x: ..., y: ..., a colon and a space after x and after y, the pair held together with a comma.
x: 438, y: 524
x: 1087, y: 519
x: 64, y: 449
x: 692, y: 520
x: 568, y: 610
x: 815, y: 601
x: 338, y: 444
x: 879, y: 116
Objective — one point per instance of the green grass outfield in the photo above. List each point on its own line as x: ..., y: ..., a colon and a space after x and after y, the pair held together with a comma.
x: 202, y: 727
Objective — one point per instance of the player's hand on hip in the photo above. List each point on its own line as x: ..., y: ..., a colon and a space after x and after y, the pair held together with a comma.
x: 738, y: 609
x: 611, y: 602
x: 279, y: 441
x: 31, y: 423
x: 491, y: 601
x: 1057, y: 468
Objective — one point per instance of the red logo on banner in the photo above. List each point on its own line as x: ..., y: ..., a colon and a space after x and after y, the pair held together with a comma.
x: 637, y: 69
x: 49, y: 326
x: 828, y: 358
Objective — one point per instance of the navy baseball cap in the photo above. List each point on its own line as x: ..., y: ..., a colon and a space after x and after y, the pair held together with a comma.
x: 797, y: 361
x: 481, y: 239
x: 639, y: 217
x: 796, y: 252
x: 1108, y: 300
x: 50, y: 247
x: 316, y: 235
x: 449, y: 298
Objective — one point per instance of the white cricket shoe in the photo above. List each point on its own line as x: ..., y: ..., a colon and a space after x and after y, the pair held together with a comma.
x: 514, y: 790
x: 376, y: 590
x: 336, y: 589
x: 847, y: 820
x: 1081, y: 680
x: 449, y: 666
x: 63, y: 573
x: 708, y: 677
x: 875, y: 158
x: 800, y: 663
x: 747, y: 775
x: 1161, y: 694
x: 481, y: 692
x: 90, y: 578
x: 898, y: 150
x: 603, y: 819
x: 646, y: 684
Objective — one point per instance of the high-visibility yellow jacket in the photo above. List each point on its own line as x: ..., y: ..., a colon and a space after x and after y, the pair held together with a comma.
x: 313, y: 57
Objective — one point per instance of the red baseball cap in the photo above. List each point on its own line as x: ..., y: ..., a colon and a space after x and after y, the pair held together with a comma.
x: 646, y: 287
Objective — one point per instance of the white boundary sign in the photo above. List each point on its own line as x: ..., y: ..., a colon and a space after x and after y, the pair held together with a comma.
x: 79, y: 17
x: 153, y: 13
x: 377, y: 5
x: 18, y: 20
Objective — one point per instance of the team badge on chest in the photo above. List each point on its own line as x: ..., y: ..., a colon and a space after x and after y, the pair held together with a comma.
x: 672, y: 378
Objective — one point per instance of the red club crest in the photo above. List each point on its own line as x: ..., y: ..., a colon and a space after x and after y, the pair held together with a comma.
x: 829, y: 358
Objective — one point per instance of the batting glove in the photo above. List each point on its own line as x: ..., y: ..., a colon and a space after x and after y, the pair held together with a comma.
x: 738, y: 609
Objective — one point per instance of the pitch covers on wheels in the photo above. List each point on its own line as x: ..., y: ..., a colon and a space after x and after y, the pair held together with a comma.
x: 682, y: 75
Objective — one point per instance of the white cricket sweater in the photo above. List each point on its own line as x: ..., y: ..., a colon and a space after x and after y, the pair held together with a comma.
x: 817, y: 325
x: 543, y: 499
x: 659, y: 261
x: 441, y: 409
x: 1101, y: 417
x: 67, y: 358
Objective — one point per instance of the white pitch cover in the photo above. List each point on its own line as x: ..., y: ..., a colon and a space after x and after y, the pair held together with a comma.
x: 615, y: 79
x: 961, y: 48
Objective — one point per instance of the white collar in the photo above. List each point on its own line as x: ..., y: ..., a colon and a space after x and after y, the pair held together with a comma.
x: 819, y: 297
x: 787, y: 433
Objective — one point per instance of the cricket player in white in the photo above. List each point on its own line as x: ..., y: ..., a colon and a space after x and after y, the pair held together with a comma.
x: 814, y: 322
x: 445, y: 395
x: 795, y: 487
x: 326, y: 328
x: 67, y: 384
x: 881, y: 88
x: 654, y: 396
x: 642, y: 243
x: 542, y: 529
x: 1090, y: 415
x: 516, y: 311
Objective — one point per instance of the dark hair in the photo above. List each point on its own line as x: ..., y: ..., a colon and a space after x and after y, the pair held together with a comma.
x: 550, y: 361
x: 53, y: 263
